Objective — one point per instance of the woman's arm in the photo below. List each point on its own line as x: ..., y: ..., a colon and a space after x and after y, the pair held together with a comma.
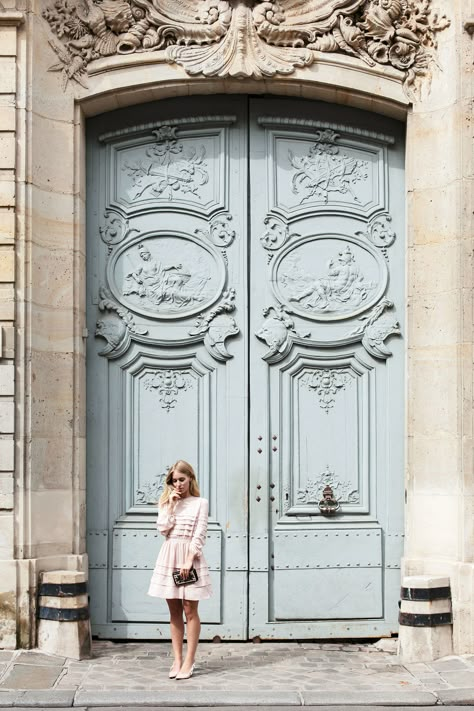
x: 166, y: 518
x: 199, y: 536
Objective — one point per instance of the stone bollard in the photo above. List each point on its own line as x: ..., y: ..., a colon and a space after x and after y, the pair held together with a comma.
x: 426, y: 622
x: 63, y: 612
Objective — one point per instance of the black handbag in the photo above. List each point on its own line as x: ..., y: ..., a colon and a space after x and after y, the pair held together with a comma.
x: 179, y: 580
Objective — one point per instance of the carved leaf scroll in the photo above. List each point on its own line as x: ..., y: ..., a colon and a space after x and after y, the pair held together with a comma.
x: 217, y: 326
x: 278, y: 332
x: 116, y: 325
x: 241, y: 38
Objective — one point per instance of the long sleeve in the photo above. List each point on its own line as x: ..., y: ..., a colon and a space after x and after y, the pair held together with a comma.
x: 166, y: 519
x: 199, y: 536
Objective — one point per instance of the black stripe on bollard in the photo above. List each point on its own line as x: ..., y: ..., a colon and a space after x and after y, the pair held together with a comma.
x: 63, y: 615
x: 425, y: 594
x: 62, y: 589
x: 411, y: 619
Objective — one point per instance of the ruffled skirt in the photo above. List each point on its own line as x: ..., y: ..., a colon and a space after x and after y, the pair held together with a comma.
x: 171, y: 557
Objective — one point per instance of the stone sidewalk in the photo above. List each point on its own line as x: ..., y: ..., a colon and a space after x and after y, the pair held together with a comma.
x: 229, y: 674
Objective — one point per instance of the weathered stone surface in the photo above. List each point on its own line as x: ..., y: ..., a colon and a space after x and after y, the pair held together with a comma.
x: 27, y: 676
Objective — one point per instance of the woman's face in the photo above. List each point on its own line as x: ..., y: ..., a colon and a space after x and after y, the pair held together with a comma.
x: 181, y: 483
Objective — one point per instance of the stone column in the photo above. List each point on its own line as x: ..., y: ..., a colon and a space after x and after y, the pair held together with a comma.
x: 440, y: 484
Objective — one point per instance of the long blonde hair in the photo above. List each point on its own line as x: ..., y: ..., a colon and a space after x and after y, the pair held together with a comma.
x: 184, y: 468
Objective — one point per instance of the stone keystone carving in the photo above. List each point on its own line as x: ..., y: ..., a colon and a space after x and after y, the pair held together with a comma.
x: 248, y: 38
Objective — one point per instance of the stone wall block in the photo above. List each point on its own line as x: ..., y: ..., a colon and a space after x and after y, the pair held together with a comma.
x: 52, y: 277
x: 434, y: 391
x: 8, y: 335
x: 52, y: 459
x: 8, y: 41
x: 7, y: 112
x: 7, y: 264
x: 52, y: 218
x: 7, y: 379
x: 7, y: 188
x: 7, y: 417
x: 425, y: 532
x: 55, y: 175
x: 6, y: 493
x: 7, y: 75
x: 433, y: 462
x: 7, y: 150
x: 52, y: 406
x: 7, y: 455
x: 52, y: 330
x: 6, y: 534
x: 51, y: 522
x: 436, y: 320
x: 7, y: 226
x: 431, y: 215
x: 437, y: 138
x: 434, y: 268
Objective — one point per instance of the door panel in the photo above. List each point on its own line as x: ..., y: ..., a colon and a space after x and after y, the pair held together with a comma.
x: 167, y: 220
x: 326, y: 406
x: 246, y: 311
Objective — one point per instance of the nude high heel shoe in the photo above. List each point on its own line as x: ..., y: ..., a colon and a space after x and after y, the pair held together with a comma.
x: 185, y: 676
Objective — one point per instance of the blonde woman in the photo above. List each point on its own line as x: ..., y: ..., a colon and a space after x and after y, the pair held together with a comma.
x: 182, y: 518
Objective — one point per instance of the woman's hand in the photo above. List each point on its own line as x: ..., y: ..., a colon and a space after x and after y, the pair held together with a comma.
x: 184, y: 571
x: 174, y: 497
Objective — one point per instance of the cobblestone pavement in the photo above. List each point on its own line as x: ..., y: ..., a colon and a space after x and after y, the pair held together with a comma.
x: 237, y: 666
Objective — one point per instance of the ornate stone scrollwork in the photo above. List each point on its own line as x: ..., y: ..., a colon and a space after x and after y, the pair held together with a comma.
x: 116, y: 325
x: 278, y: 332
x: 217, y: 326
x: 312, y: 492
x: 220, y: 232
x: 326, y: 170
x: 376, y: 328
x: 243, y: 38
x: 326, y: 383
x: 171, y: 169
x: 380, y: 233
x: 168, y: 384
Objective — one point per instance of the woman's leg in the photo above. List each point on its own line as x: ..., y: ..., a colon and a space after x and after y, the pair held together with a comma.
x: 177, y: 632
x: 193, y: 629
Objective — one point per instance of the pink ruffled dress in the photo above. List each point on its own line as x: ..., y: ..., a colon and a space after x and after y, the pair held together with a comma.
x: 185, y: 529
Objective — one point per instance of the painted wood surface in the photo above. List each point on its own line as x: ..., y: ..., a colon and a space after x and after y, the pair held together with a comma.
x: 246, y: 313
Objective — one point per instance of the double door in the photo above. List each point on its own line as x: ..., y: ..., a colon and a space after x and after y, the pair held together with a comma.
x: 245, y: 300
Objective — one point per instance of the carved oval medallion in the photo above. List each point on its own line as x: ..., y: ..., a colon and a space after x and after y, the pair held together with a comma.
x: 329, y: 277
x: 166, y: 276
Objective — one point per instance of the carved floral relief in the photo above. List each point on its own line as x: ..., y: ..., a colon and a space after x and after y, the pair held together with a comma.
x: 168, y: 384
x: 168, y: 169
x: 326, y: 170
x: 245, y: 38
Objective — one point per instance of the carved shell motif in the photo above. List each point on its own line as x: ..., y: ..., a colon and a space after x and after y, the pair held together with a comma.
x: 248, y: 39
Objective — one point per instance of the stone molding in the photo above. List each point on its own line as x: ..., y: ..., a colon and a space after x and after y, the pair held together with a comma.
x: 11, y: 18
x: 248, y: 40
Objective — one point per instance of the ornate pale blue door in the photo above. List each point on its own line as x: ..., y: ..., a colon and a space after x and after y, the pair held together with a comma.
x: 326, y: 374
x: 245, y: 276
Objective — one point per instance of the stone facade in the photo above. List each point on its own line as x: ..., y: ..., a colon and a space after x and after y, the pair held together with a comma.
x: 42, y: 259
